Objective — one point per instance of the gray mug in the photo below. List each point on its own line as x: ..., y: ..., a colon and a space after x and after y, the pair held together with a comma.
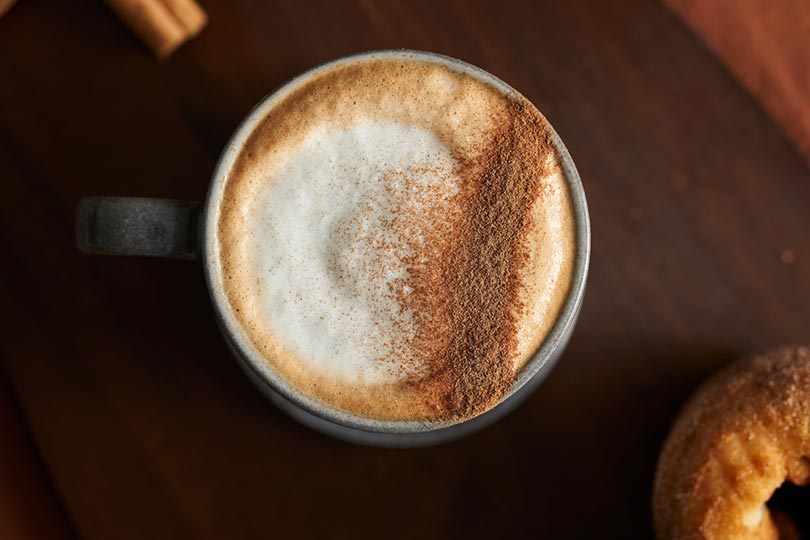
x: 188, y: 230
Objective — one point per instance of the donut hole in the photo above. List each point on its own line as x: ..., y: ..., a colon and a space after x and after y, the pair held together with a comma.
x: 793, y: 502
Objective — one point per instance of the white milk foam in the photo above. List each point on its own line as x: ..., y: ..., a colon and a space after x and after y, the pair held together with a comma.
x: 329, y: 233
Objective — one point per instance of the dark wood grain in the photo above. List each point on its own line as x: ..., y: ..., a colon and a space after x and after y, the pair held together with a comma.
x: 149, y: 430
x: 29, y: 509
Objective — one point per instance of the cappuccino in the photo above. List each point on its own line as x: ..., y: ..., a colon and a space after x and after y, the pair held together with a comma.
x: 396, y: 238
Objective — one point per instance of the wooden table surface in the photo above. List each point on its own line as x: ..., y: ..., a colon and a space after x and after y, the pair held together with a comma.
x: 145, y: 426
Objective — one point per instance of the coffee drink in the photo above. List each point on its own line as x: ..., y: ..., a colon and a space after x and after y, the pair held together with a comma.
x: 396, y: 238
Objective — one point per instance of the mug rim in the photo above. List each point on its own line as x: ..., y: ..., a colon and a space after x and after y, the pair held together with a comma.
x: 262, y: 371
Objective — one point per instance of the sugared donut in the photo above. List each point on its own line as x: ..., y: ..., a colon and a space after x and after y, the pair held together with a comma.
x: 742, y: 434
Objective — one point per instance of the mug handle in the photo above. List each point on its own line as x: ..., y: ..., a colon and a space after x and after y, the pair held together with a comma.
x: 138, y: 226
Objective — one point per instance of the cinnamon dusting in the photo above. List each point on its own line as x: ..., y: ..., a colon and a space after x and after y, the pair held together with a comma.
x: 473, y: 289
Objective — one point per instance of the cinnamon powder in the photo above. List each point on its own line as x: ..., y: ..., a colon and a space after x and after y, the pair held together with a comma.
x: 476, y: 285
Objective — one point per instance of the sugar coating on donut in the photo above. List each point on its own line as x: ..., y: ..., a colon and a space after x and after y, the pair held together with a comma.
x: 742, y: 434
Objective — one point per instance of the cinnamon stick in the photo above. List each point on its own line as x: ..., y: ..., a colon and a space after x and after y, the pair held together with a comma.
x: 5, y: 5
x: 189, y: 13
x: 162, y: 24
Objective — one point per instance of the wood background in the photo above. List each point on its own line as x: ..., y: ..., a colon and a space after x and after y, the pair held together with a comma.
x: 145, y: 428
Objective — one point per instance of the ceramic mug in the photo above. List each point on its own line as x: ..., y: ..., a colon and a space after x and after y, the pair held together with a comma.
x: 188, y: 230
